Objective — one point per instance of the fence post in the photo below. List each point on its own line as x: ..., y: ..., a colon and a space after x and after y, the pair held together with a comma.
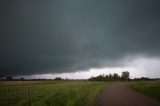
x: 30, y: 97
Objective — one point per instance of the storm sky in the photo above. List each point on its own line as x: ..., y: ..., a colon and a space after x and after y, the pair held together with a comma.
x: 61, y: 36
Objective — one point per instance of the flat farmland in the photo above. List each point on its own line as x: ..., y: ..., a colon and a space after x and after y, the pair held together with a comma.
x: 50, y: 93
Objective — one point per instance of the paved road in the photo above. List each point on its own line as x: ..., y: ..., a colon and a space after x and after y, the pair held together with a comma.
x: 122, y: 95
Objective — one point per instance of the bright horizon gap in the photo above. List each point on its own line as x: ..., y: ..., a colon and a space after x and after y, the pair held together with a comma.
x: 139, y: 67
x: 87, y: 74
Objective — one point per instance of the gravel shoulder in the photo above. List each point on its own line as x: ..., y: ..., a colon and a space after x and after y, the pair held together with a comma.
x: 120, y: 94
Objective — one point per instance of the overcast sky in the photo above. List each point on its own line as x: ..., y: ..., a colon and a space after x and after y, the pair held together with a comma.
x: 66, y: 36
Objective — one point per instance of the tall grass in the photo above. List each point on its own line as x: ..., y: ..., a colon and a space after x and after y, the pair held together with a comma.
x: 150, y: 88
x: 50, y: 93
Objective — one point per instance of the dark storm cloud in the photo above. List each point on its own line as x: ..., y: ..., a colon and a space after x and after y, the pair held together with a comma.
x: 68, y: 35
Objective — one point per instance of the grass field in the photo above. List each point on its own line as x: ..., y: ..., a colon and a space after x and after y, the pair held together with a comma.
x: 50, y: 93
x: 149, y: 88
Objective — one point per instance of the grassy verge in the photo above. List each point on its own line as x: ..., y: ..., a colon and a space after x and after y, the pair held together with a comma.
x: 50, y: 93
x: 149, y: 88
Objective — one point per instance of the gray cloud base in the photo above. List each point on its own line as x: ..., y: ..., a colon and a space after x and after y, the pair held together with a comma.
x: 65, y: 36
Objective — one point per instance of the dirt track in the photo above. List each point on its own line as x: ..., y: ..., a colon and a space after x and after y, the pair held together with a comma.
x: 121, y: 94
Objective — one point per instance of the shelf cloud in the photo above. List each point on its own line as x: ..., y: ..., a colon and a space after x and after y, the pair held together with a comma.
x: 60, y: 36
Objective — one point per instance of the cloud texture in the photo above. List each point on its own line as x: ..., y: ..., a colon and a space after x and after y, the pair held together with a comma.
x: 56, y: 36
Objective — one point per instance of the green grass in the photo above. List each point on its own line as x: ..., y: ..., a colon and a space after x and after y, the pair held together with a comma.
x: 50, y: 93
x: 149, y: 88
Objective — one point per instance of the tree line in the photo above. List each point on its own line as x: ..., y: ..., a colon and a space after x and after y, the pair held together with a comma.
x: 111, y: 77
x: 125, y: 76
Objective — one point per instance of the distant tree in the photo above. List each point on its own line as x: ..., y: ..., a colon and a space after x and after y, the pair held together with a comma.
x: 22, y: 79
x: 125, y: 75
x: 144, y: 78
x: 110, y: 77
x: 9, y: 78
x: 116, y: 76
x: 106, y: 78
x: 100, y: 78
x: 58, y: 78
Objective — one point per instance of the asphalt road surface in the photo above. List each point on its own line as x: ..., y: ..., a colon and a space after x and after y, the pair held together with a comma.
x: 121, y: 94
